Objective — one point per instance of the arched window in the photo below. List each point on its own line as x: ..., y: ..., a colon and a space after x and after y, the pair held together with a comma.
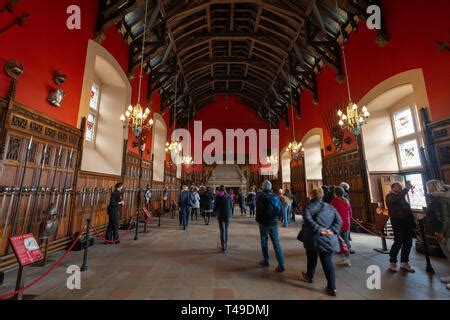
x: 106, y: 94
x: 159, y: 138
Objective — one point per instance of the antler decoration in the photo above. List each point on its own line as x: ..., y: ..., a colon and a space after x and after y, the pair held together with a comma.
x: 334, y: 130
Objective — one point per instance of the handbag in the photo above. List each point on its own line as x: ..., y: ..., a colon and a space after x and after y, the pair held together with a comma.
x: 343, y: 246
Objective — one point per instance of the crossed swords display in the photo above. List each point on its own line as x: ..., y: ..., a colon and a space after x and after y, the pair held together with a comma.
x: 17, y: 21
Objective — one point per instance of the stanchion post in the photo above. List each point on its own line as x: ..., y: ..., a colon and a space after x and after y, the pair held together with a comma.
x: 429, y: 268
x: 84, y: 267
x: 136, y: 230
x: 19, y: 283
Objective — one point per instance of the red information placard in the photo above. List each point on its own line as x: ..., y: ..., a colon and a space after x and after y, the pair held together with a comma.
x: 26, y: 249
x: 147, y: 213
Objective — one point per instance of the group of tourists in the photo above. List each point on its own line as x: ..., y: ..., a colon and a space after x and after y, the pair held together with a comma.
x: 326, y: 221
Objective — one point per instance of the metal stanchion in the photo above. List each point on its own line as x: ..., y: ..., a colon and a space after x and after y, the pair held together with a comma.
x: 84, y: 267
x: 429, y: 268
x: 136, y: 231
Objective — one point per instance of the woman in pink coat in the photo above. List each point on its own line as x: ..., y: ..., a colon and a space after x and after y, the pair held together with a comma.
x: 344, y: 208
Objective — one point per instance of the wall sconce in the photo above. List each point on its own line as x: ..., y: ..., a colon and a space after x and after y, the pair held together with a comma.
x: 56, y: 97
x: 13, y: 69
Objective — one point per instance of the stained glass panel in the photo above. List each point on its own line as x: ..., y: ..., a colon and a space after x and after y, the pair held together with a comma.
x: 404, y: 123
x: 90, y: 127
x: 409, y: 154
x: 95, y: 96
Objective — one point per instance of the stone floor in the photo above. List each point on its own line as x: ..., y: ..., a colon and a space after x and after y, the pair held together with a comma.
x: 169, y: 263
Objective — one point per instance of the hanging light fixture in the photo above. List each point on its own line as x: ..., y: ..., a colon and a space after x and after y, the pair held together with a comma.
x: 354, y: 118
x: 136, y: 117
x: 294, y: 147
x: 174, y: 146
x: 187, y: 160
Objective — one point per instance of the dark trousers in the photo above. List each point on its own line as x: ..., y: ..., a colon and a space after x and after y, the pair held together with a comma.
x: 243, y: 209
x: 403, y: 235
x: 194, y: 211
x: 185, y: 216
x: 207, y: 216
x: 112, y: 232
x: 223, y: 225
x: 326, y: 259
x: 252, y: 210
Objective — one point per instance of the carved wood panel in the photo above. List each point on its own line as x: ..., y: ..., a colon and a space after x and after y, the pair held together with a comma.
x: 347, y: 167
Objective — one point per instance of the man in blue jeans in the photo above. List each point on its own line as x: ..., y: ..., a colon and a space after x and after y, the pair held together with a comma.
x: 268, y: 212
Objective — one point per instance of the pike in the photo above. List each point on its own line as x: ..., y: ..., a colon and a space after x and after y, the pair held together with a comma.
x: 19, y: 196
x: 27, y: 211
x: 38, y: 191
x: 66, y: 190
x: 57, y: 161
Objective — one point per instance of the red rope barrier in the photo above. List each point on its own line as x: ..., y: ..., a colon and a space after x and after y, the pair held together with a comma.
x: 47, y: 272
x: 368, y: 231
x: 101, y: 237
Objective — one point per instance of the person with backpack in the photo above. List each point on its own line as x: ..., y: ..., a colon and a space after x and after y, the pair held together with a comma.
x: 268, y: 212
x: 344, y: 208
x: 195, y: 203
x: 222, y: 207
x: 207, y: 200
x: 185, y: 204
x: 319, y: 233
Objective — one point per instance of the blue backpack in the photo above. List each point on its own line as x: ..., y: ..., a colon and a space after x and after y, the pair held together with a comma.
x: 275, y: 203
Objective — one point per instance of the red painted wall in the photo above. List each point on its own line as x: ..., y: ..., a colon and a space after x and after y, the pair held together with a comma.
x: 413, y: 27
x: 44, y: 45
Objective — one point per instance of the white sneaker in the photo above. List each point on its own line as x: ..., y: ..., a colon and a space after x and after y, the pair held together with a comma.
x: 445, y: 279
x: 345, y: 263
x: 393, y: 267
x: 407, y: 267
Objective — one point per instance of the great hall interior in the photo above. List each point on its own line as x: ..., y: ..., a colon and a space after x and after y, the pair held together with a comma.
x: 93, y: 92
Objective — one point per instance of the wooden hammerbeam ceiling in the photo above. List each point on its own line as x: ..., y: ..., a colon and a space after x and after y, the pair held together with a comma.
x: 258, y: 50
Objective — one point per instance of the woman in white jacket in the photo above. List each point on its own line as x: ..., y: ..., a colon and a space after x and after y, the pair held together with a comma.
x: 195, y: 203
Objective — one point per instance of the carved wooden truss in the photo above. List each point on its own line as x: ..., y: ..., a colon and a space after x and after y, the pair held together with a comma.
x: 258, y: 50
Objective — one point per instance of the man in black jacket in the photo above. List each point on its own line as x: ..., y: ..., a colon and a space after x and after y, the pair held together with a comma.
x: 223, y: 208
x: 268, y: 212
x: 403, y: 224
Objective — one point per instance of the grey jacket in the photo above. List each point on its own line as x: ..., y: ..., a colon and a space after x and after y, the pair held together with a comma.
x: 439, y: 213
x: 319, y: 216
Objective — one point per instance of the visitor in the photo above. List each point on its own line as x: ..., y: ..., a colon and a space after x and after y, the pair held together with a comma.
x: 233, y: 199
x: 195, y: 203
x: 201, y: 192
x: 206, y: 200
x: 116, y: 200
x: 344, y: 208
x: 268, y: 212
x: 251, y: 202
x: 286, y: 204
x: 403, y: 224
x: 185, y: 204
x: 148, y: 196
x: 346, y: 187
x: 222, y: 207
x: 438, y: 214
x: 165, y: 198
x: 321, y: 226
x: 328, y: 194
x: 241, y: 202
